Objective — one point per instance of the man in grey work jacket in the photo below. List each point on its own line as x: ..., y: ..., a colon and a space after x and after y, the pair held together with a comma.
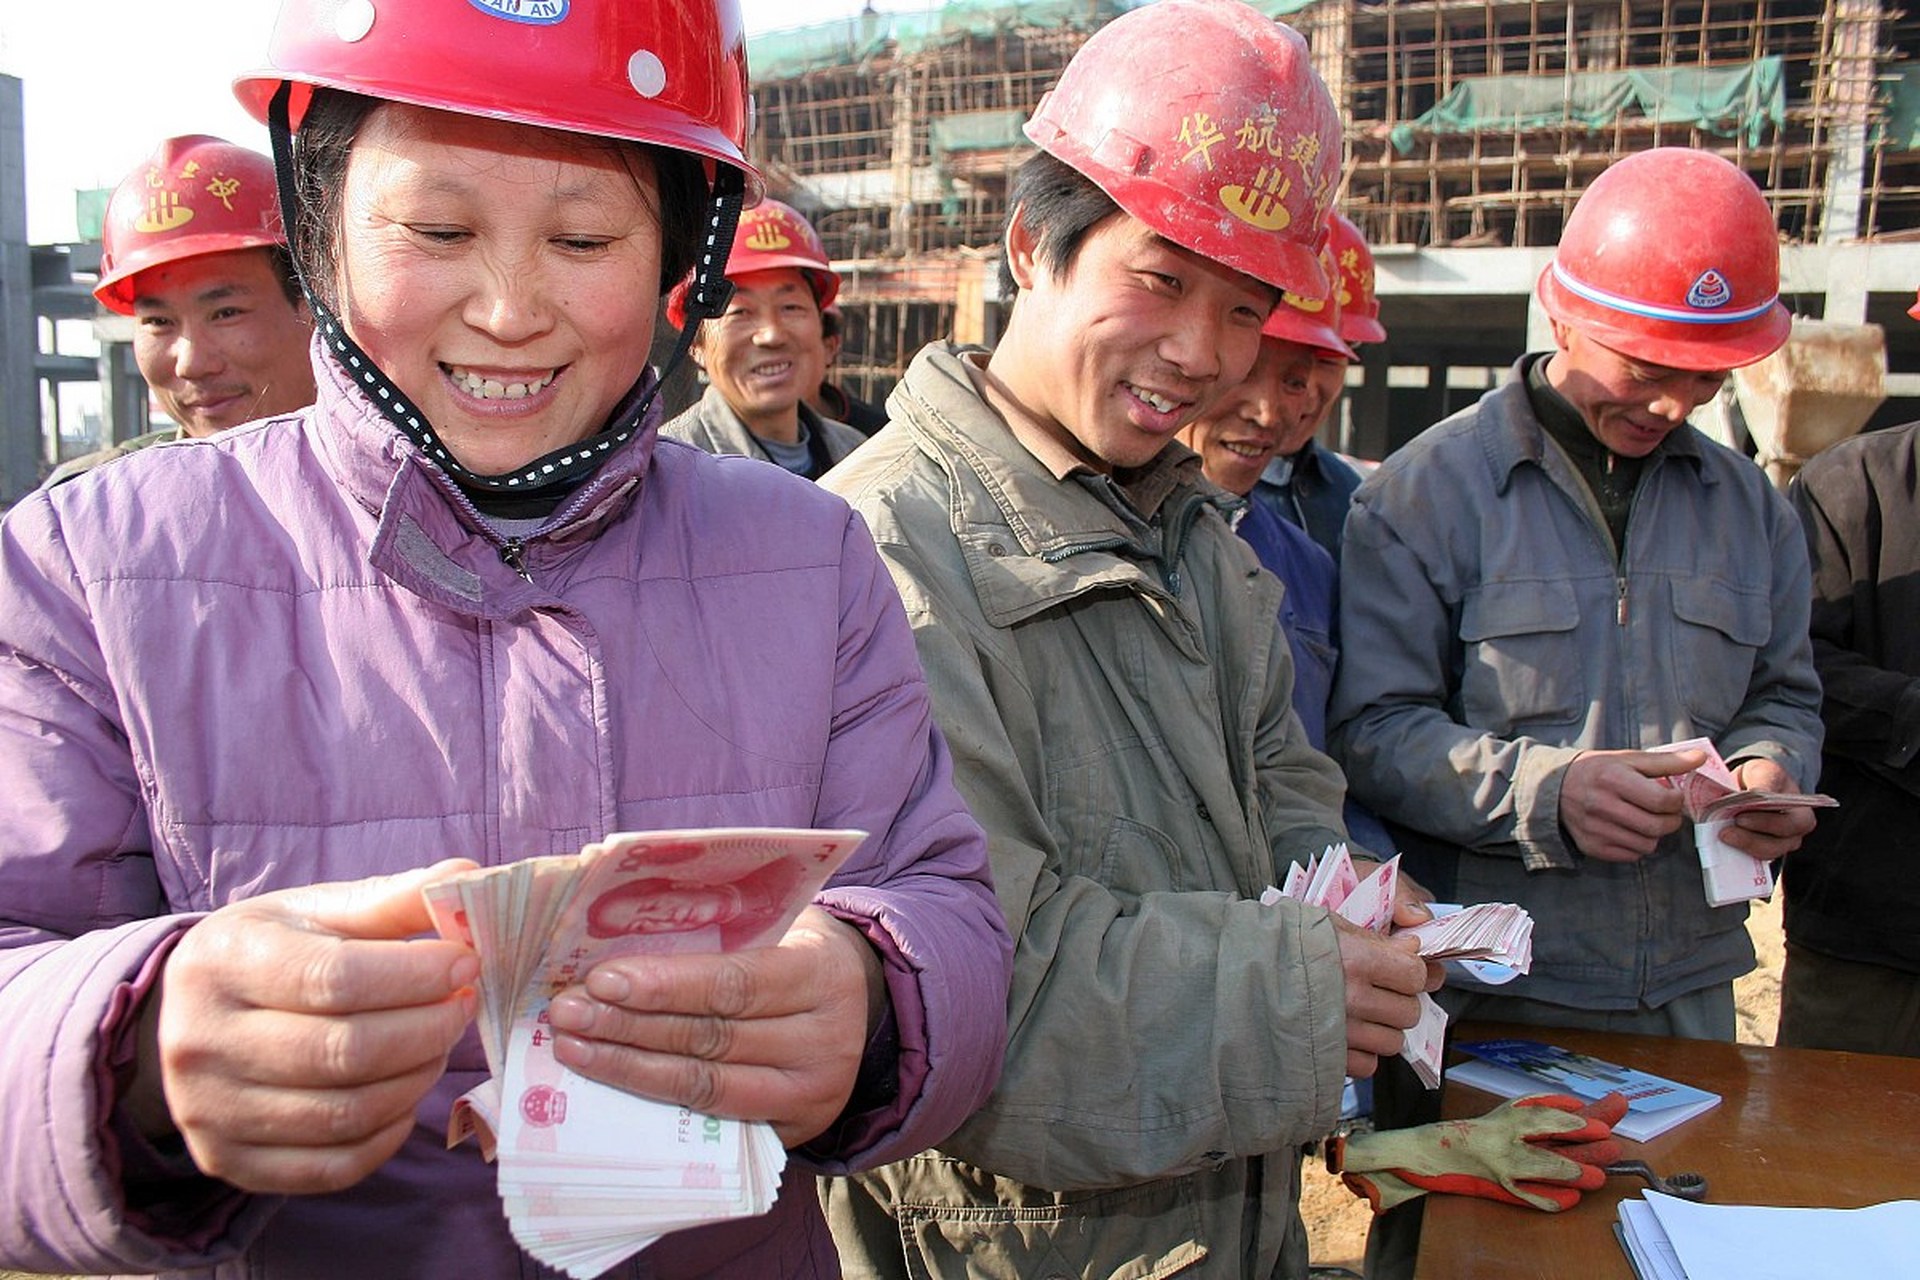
x: 1542, y: 589
x: 1105, y: 662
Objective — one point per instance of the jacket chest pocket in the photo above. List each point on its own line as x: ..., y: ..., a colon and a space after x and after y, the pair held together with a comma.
x: 1522, y: 663
x: 1718, y: 630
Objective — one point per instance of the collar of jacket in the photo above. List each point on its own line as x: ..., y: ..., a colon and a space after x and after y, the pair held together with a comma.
x: 1519, y: 437
x: 720, y: 416
x: 429, y: 536
x: 1030, y: 542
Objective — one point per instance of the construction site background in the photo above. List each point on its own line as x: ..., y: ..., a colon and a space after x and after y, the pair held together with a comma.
x: 1470, y: 124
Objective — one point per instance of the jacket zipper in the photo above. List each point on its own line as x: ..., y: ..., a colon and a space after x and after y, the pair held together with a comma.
x: 1058, y: 554
x: 510, y: 555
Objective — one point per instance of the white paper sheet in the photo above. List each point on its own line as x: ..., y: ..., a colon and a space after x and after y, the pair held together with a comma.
x: 1752, y: 1242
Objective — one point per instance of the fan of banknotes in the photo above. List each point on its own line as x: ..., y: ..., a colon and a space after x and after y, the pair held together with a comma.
x: 590, y: 1174
x: 1489, y: 933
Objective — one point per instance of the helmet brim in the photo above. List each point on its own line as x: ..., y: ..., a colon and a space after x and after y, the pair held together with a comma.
x: 1359, y: 328
x: 115, y: 290
x: 1674, y: 344
x: 661, y: 129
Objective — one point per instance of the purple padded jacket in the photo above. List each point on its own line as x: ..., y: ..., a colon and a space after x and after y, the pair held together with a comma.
x: 292, y: 654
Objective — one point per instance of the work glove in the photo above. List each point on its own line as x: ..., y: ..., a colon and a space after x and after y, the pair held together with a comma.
x: 1542, y: 1151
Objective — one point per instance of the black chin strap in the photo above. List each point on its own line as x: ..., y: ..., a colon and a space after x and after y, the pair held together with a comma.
x: 564, y: 467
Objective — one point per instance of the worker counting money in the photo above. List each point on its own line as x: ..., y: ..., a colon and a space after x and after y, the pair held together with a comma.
x: 1550, y: 588
x: 466, y: 609
x: 1109, y: 653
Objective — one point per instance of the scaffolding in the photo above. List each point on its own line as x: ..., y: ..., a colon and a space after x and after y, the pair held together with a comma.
x: 1468, y: 122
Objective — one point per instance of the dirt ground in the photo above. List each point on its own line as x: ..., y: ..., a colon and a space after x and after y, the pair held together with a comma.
x: 1337, y: 1219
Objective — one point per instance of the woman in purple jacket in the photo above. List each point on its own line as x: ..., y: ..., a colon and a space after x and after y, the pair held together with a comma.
x: 255, y: 689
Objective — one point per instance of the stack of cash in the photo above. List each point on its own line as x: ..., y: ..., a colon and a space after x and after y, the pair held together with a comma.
x: 1496, y: 932
x: 590, y: 1174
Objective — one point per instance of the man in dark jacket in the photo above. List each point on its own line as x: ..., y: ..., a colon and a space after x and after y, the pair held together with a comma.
x: 1853, y: 957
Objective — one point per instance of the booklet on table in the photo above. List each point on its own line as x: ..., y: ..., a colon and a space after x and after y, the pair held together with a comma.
x: 1515, y: 1068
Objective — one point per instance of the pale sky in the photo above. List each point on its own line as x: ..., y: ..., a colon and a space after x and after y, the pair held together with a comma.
x: 105, y: 80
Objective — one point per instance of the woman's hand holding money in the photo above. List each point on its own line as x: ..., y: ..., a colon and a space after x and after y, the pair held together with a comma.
x: 291, y: 1035
x: 770, y: 1033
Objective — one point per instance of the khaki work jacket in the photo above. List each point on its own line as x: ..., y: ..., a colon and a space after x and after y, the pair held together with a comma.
x: 1116, y: 695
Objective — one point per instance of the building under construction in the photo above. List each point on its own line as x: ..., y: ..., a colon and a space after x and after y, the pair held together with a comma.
x: 1472, y: 128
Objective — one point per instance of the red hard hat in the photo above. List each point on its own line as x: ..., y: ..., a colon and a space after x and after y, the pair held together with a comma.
x: 1359, y: 304
x: 193, y: 195
x: 1671, y: 257
x: 1914, y: 310
x: 771, y: 235
x: 1205, y: 120
x: 1312, y: 322
x: 668, y: 72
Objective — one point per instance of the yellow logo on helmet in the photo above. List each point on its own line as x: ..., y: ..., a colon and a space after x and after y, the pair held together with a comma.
x: 163, y: 212
x: 1260, y: 204
x: 768, y: 235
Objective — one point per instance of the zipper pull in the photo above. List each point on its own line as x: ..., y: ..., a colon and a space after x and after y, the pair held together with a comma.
x: 1620, y: 601
x: 510, y: 555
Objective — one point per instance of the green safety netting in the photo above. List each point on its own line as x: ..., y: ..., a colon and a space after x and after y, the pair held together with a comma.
x: 1900, y: 130
x: 782, y: 55
x: 1728, y: 101
x: 1281, y: 8
x: 975, y: 131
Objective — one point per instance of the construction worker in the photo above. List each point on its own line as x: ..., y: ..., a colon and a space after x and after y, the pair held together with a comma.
x: 1599, y: 580
x: 1236, y: 440
x: 763, y: 355
x: 1538, y: 592
x: 1306, y: 483
x: 1103, y: 655
x: 1852, y: 977
x: 259, y: 690
x: 193, y: 250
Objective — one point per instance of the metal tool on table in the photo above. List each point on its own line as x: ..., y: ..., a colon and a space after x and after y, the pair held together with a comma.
x: 1687, y: 1186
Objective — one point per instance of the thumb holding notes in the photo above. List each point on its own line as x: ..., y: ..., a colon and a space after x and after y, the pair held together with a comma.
x: 770, y: 1033
x: 1762, y: 833
x: 291, y: 1035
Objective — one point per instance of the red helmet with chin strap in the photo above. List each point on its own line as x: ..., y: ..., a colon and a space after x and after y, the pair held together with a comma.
x: 1312, y: 322
x: 1359, y: 304
x: 194, y: 195
x: 771, y: 235
x: 1205, y: 120
x: 1671, y: 257
x: 668, y: 72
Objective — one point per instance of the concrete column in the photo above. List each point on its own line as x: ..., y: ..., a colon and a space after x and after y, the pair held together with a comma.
x: 19, y: 333
x: 1849, y: 81
x: 1539, y: 325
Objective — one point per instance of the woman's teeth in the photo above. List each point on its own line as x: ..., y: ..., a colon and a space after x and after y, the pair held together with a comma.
x: 494, y: 389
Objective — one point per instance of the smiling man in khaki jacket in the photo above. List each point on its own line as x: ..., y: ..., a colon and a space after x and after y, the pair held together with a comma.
x: 1105, y: 662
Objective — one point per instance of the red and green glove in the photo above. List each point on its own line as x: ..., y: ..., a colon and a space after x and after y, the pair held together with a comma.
x: 1541, y: 1151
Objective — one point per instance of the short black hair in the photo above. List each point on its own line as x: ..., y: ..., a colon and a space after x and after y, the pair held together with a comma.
x: 324, y: 143
x: 281, y: 259
x: 1059, y: 206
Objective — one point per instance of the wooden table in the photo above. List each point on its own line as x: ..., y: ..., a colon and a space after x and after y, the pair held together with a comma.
x: 1794, y: 1127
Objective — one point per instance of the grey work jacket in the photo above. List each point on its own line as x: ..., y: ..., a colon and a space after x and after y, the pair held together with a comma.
x: 711, y: 424
x: 1117, y: 702
x: 1490, y: 634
